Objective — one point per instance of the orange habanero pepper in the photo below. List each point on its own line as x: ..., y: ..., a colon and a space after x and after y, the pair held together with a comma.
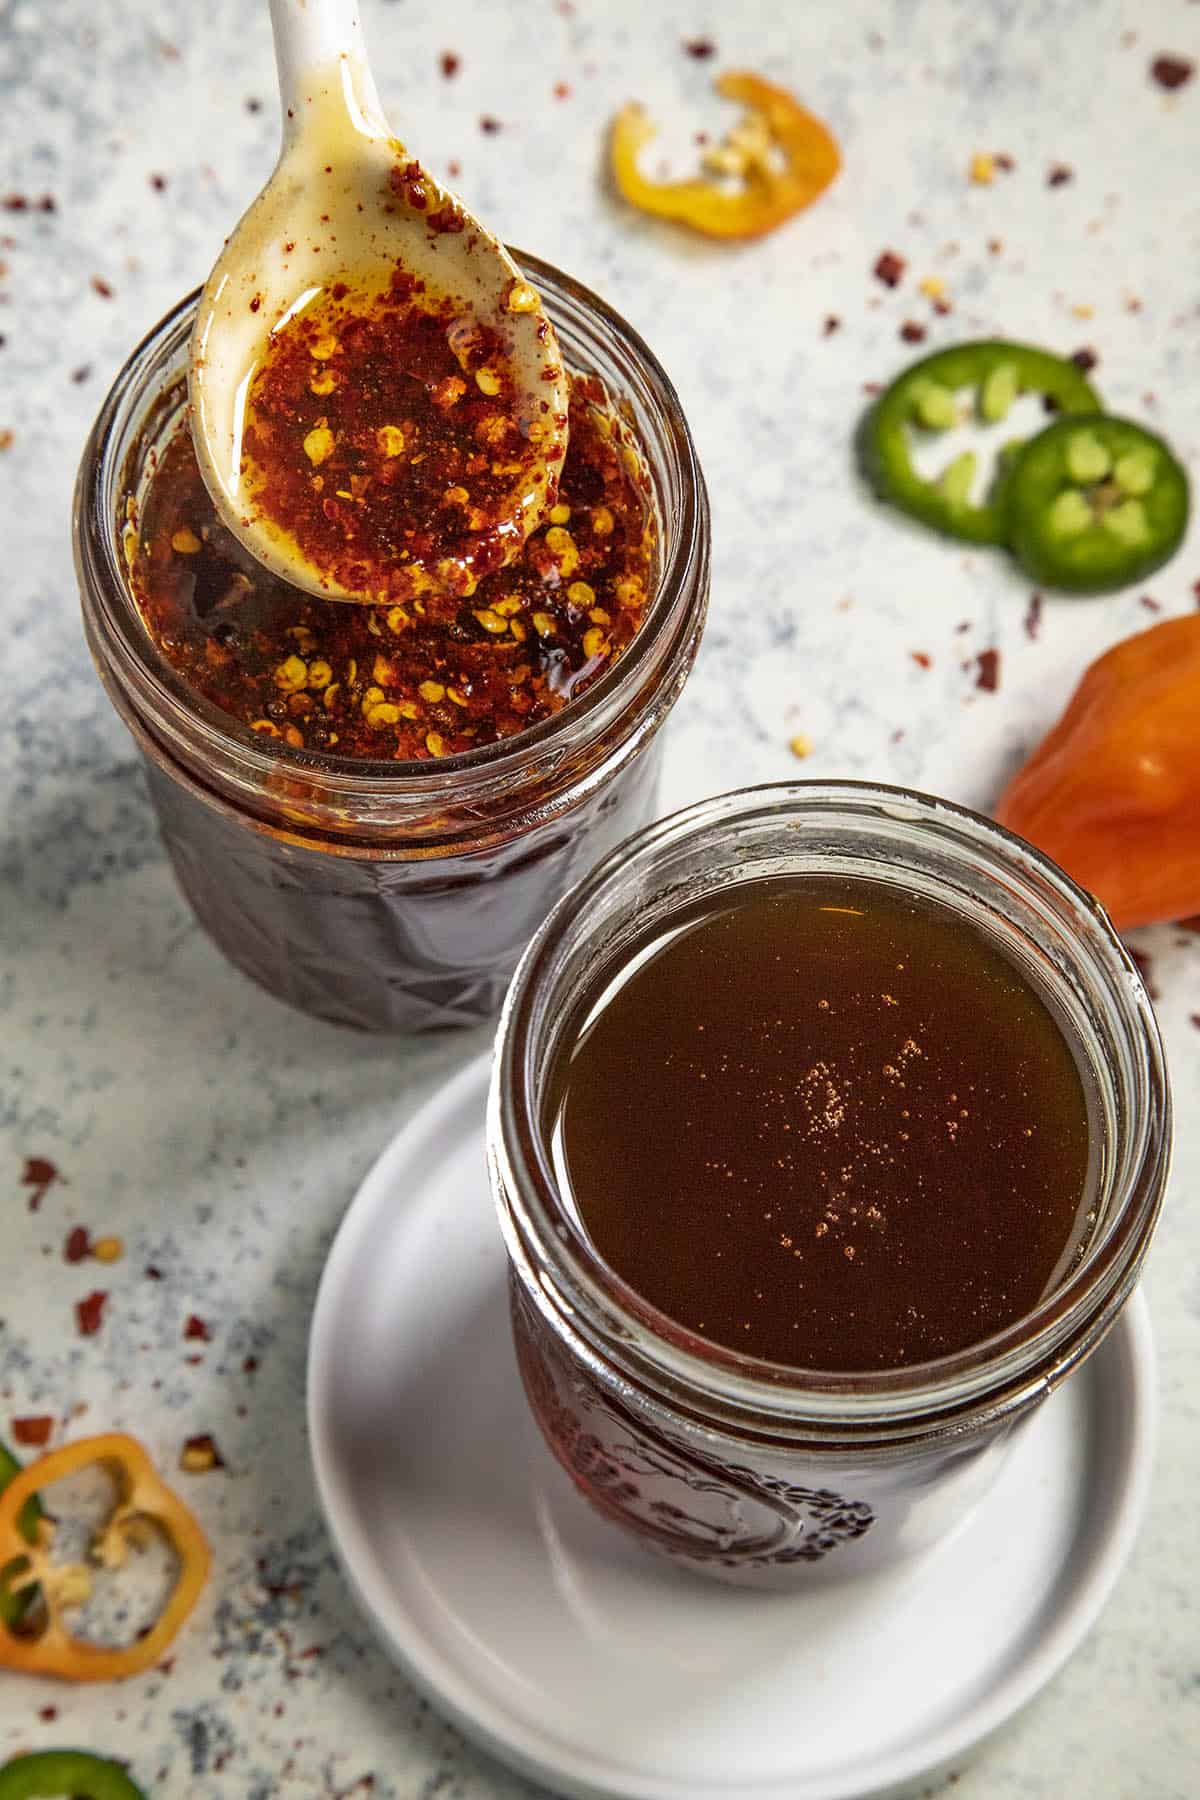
x: 38, y: 1642
x: 1113, y: 793
x: 781, y: 154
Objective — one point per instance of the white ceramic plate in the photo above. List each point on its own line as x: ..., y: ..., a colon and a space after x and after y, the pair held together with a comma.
x: 587, y: 1664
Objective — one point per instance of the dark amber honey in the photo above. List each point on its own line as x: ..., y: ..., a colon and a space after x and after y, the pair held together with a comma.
x: 826, y: 1123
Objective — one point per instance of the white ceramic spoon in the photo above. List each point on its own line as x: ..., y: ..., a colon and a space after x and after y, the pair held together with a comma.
x: 330, y: 212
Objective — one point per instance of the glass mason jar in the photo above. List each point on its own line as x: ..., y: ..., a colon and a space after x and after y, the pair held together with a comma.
x: 746, y: 1470
x: 392, y: 895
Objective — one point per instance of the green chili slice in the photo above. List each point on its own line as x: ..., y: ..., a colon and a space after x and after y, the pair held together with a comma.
x: 15, y: 1604
x: 1094, y: 504
x: 931, y: 397
x: 48, y: 1774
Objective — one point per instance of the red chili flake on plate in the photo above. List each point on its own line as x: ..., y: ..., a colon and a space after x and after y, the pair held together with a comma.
x: 1150, y: 603
x: 33, y: 1433
x: 1004, y: 161
x: 78, y: 1245
x: 488, y: 124
x: 912, y: 333
x: 159, y: 183
x: 89, y: 1313
x: 1033, y: 617
x: 16, y: 203
x: 832, y: 324
x: 196, y: 1328
x: 988, y: 666
x: 889, y: 268
x: 922, y: 659
x: 249, y: 1365
x: 701, y: 48
x: 101, y: 287
x: 1195, y: 1018
x: 1085, y: 359
x: 48, y: 1713
x: 1172, y: 72
x: 561, y: 90
x: 151, y: 1273
x: 40, y: 1174
x: 1058, y: 174
x: 449, y: 64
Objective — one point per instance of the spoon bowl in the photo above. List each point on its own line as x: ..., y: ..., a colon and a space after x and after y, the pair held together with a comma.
x: 348, y: 207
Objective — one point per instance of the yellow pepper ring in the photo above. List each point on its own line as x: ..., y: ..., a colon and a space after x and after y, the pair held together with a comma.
x: 767, y: 197
x: 142, y: 1496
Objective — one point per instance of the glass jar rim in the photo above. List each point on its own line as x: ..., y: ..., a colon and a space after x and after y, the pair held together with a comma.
x: 1035, y: 1350
x: 96, y: 537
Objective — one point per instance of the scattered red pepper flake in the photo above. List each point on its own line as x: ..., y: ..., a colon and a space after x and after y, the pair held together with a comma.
x: 1033, y: 617
x: 1172, y: 72
x: 701, y: 48
x: 33, y: 1432
x: 159, y: 183
x: 832, y: 324
x: 1058, y: 174
x: 47, y: 1714
x: 889, y: 267
x: 912, y: 332
x: 81, y: 374
x: 40, y: 1174
x: 151, y: 1273
x: 1085, y: 358
x: 15, y: 203
x: 7, y: 440
x: 1150, y: 603
x: 988, y: 666
x: 995, y: 246
x: 1195, y: 1018
x: 89, y: 1312
x: 1005, y: 162
x: 249, y: 1365
x: 200, y: 1454
x: 489, y: 124
x: 196, y: 1327
x: 78, y: 1245
x: 449, y: 63
x: 101, y: 287
x: 922, y: 659
x: 561, y: 90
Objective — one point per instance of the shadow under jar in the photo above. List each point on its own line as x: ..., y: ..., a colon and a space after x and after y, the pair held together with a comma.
x: 754, y: 1471
x: 386, y: 895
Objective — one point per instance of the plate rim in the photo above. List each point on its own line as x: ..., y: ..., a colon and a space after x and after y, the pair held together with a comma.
x: 441, y: 1681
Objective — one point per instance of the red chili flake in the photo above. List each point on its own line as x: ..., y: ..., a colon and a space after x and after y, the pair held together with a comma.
x: 249, y: 1365
x: 1150, y: 603
x: 1085, y: 359
x: 562, y: 90
x: 48, y: 1713
x: 16, y: 203
x: 832, y: 324
x: 34, y: 1432
x: 943, y: 306
x: 159, y: 183
x: 81, y: 374
x: 700, y: 48
x: 151, y: 1273
x: 995, y: 246
x: 40, y: 1174
x: 1058, y: 174
x: 454, y: 170
x: 449, y: 64
x: 1004, y: 161
x: 912, y: 333
x: 101, y: 287
x: 872, y: 387
x: 1171, y: 72
x: 89, y: 1313
x: 1195, y: 1018
x: 197, y: 1328
x: 988, y: 666
x: 1145, y: 968
x: 922, y: 659
x: 78, y: 1245
x: 1033, y: 616
x: 489, y: 124
x: 889, y: 268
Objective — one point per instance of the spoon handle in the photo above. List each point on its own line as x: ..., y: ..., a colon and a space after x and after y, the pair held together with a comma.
x: 324, y: 38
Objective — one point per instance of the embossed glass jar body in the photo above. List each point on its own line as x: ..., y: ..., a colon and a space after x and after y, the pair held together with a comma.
x: 393, y: 896
x: 748, y: 1471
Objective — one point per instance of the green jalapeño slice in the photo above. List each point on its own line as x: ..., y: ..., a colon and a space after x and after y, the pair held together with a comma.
x: 1094, y: 504
x: 978, y: 381
x: 47, y: 1774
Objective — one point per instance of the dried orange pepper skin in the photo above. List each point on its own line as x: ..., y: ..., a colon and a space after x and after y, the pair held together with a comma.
x: 142, y: 1495
x: 767, y: 198
x: 1113, y: 793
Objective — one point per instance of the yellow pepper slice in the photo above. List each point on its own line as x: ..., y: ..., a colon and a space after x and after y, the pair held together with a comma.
x: 39, y: 1643
x: 782, y: 155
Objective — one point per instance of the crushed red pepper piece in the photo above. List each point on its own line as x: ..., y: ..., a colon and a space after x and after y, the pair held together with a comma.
x: 39, y: 1174
x: 89, y: 1312
x: 78, y: 1245
x: 406, y: 681
x: 988, y: 671
x: 196, y: 1328
x: 387, y: 440
x: 780, y: 155
x: 34, y: 1431
x: 1172, y: 72
x: 889, y: 268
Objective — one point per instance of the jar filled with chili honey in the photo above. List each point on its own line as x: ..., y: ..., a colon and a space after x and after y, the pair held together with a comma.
x: 374, y: 857
x: 828, y: 1130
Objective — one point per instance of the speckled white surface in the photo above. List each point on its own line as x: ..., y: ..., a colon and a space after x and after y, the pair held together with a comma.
x: 220, y: 1136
